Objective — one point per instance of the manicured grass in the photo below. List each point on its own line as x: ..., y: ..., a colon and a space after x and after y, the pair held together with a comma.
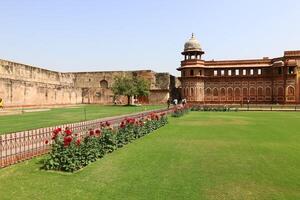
x: 57, y: 116
x: 236, y: 155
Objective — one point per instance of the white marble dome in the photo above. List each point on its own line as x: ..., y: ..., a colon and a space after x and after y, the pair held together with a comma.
x: 192, y: 44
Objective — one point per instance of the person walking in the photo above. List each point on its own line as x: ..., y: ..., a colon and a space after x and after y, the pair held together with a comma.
x: 183, y: 102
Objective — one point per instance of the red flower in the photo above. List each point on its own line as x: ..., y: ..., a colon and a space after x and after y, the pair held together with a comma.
x: 68, y: 131
x: 132, y: 121
x: 46, y: 142
x: 141, y: 123
x: 55, y: 133
x: 107, y: 123
x: 76, y: 134
x: 92, y: 132
x: 67, y: 141
x: 78, y: 142
x: 57, y: 130
x: 122, y: 125
x: 98, y: 132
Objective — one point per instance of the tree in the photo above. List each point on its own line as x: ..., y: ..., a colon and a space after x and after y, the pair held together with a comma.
x: 130, y: 86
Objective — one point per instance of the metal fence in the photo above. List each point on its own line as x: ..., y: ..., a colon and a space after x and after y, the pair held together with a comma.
x: 270, y: 107
x: 250, y: 107
x: 24, y: 145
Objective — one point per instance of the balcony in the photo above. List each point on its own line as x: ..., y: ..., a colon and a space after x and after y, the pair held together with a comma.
x: 192, y: 62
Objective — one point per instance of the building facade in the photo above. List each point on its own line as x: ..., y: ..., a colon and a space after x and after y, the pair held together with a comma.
x: 259, y: 81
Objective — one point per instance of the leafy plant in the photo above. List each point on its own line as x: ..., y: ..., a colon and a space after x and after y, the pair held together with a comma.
x: 130, y: 86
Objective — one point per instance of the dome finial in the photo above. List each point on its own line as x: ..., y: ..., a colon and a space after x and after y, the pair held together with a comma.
x: 192, y: 35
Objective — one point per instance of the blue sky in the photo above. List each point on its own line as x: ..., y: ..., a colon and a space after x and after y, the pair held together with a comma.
x: 73, y: 35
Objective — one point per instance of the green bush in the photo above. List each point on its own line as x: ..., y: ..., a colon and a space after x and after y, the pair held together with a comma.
x: 70, y: 152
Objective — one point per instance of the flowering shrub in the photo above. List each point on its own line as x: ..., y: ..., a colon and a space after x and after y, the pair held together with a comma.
x: 218, y: 108
x: 180, y: 111
x: 70, y: 152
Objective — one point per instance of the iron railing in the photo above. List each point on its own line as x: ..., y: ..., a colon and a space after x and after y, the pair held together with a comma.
x: 24, y: 145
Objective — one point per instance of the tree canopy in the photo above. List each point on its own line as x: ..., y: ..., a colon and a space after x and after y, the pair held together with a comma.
x: 130, y: 86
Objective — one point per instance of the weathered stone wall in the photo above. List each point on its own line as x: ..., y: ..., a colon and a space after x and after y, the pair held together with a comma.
x: 24, y: 85
x: 96, y: 86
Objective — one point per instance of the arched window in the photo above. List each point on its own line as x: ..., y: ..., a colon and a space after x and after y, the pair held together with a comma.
x: 252, y: 92
x: 245, y: 92
x: 280, y: 91
x: 291, y: 91
x: 208, y: 92
x: 104, y: 84
x: 260, y: 91
x: 215, y: 92
x: 230, y: 92
x: 192, y: 91
x: 237, y: 92
x: 223, y: 92
x: 192, y: 72
x: 268, y: 91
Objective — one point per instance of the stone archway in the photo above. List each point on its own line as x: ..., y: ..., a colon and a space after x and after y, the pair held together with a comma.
x: 104, y: 84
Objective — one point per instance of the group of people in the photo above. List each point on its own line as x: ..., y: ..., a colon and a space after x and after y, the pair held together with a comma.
x: 175, y: 102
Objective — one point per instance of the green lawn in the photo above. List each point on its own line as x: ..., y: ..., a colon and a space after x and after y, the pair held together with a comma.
x: 236, y: 155
x: 57, y: 116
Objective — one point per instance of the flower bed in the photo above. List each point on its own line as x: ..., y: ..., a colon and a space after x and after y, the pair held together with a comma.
x: 70, y: 152
x: 179, y: 111
x: 219, y: 108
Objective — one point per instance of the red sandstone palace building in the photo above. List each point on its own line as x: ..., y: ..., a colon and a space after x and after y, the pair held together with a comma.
x: 261, y: 81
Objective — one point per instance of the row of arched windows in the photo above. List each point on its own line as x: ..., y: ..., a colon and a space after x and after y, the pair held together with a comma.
x: 238, y: 92
x: 260, y: 91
